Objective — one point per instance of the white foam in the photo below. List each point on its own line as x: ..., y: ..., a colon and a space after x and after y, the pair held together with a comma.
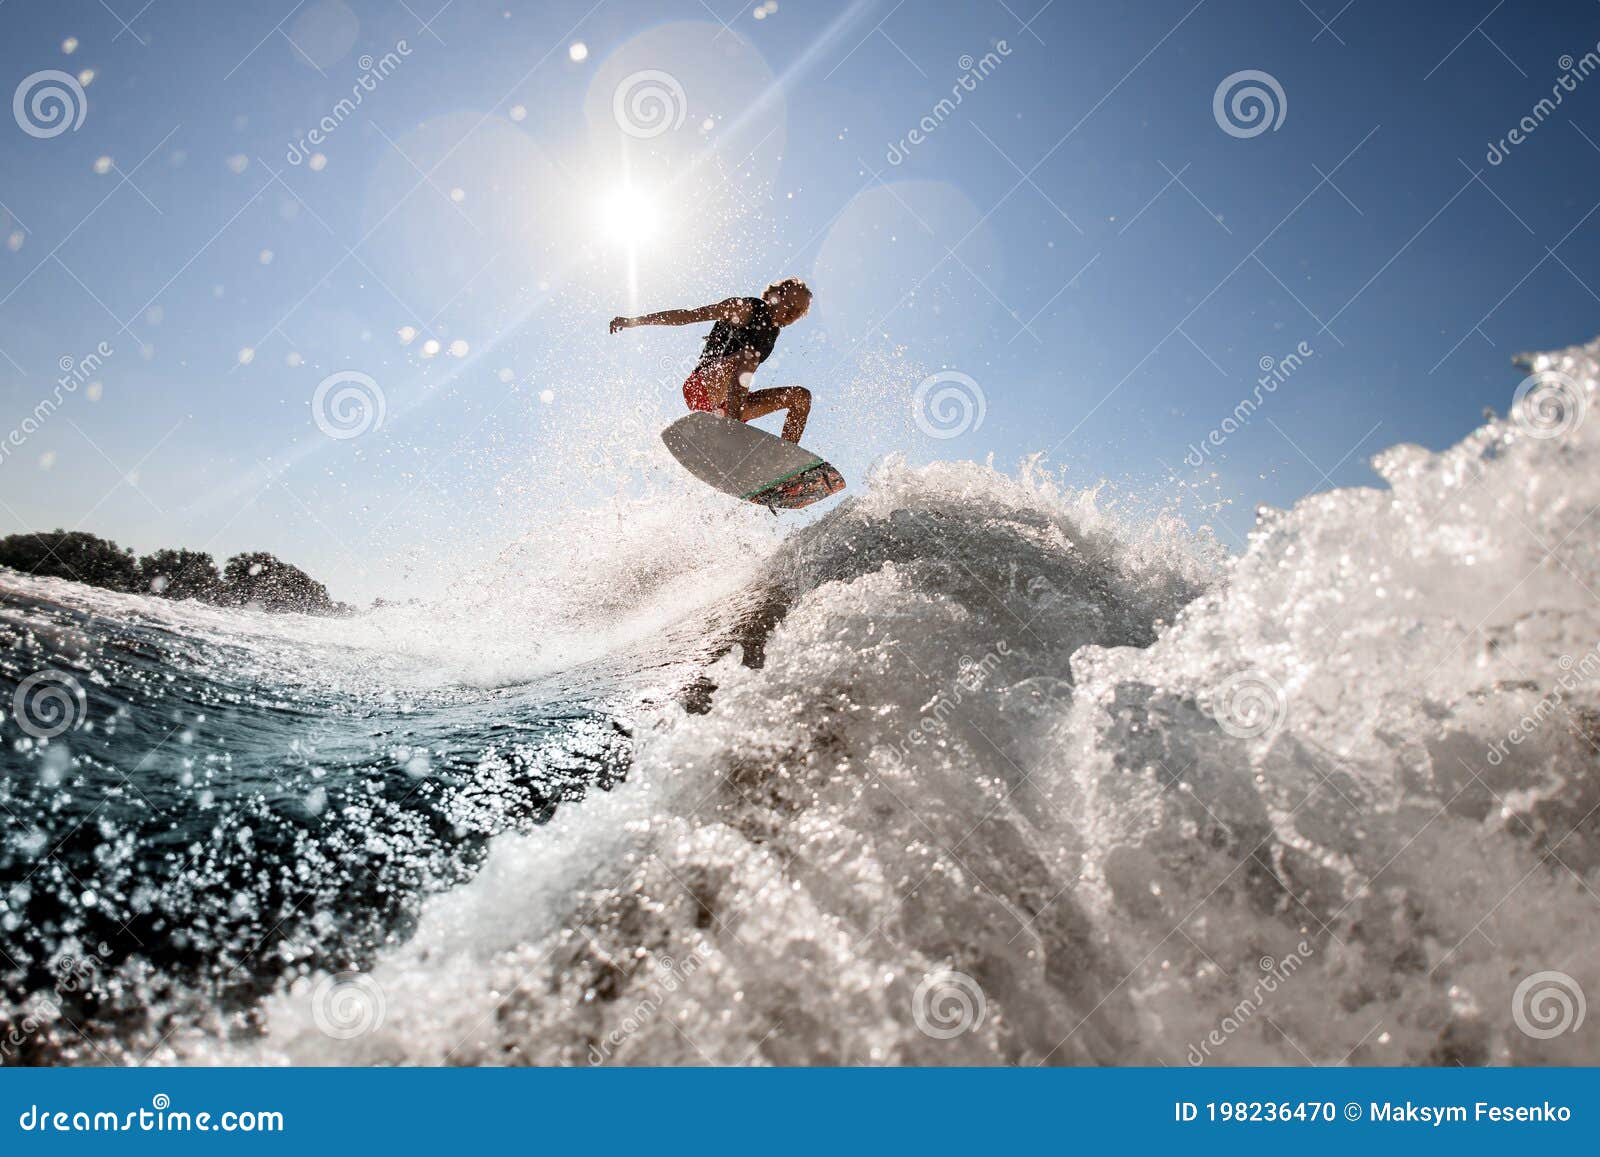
x: 969, y: 750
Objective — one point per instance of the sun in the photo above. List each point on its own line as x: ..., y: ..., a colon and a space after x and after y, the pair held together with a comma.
x: 628, y: 217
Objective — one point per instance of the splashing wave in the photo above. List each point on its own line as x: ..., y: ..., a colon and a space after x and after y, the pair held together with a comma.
x: 984, y: 753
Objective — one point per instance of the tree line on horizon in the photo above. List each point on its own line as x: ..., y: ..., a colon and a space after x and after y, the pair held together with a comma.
x: 250, y: 579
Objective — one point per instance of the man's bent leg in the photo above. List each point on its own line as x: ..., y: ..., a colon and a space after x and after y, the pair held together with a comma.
x: 739, y: 369
x: 795, y: 399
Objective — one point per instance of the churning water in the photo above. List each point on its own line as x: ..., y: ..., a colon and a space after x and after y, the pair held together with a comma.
x: 974, y: 769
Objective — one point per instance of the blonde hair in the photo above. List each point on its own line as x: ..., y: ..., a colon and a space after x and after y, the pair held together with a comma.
x: 785, y: 288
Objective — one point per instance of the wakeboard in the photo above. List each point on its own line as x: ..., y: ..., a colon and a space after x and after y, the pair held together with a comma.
x: 749, y: 463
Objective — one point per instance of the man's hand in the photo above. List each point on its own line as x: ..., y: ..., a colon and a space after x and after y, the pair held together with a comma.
x: 618, y: 324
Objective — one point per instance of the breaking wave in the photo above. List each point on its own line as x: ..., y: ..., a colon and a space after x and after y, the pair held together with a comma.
x: 975, y: 769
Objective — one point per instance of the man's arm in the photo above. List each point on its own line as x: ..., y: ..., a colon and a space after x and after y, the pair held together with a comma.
x: 734, y: 309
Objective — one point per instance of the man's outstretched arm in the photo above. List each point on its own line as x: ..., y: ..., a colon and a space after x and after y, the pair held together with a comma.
x: 734, y: 309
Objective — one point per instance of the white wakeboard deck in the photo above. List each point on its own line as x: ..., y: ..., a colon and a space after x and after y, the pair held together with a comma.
x: 739, y: 459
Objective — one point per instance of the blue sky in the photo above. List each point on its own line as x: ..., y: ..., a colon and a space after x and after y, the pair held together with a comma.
x: 1080, y: 236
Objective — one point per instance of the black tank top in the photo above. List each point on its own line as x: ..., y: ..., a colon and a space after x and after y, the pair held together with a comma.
x: 760, y: 334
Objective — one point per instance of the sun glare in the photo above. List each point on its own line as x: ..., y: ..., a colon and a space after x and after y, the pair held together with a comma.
x: 629, y: 217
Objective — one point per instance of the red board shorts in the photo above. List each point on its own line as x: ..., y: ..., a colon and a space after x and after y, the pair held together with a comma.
x: 696, y: 394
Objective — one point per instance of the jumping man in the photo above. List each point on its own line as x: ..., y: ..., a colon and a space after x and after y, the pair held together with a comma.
x: 746, y: 329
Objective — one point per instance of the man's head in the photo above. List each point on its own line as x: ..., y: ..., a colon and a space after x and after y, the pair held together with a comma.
x: 789, y: 299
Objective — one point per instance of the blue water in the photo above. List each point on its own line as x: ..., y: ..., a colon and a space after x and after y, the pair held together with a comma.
x: 218, y: 825
x: 977, y: 768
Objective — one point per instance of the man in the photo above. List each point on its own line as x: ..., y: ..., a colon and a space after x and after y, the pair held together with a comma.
x: 746, y: 329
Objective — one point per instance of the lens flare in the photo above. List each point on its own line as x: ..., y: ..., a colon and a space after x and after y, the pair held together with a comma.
x: 629, y: 217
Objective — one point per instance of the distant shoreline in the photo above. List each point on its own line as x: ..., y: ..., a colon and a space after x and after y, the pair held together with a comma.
x: 250, y: 579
